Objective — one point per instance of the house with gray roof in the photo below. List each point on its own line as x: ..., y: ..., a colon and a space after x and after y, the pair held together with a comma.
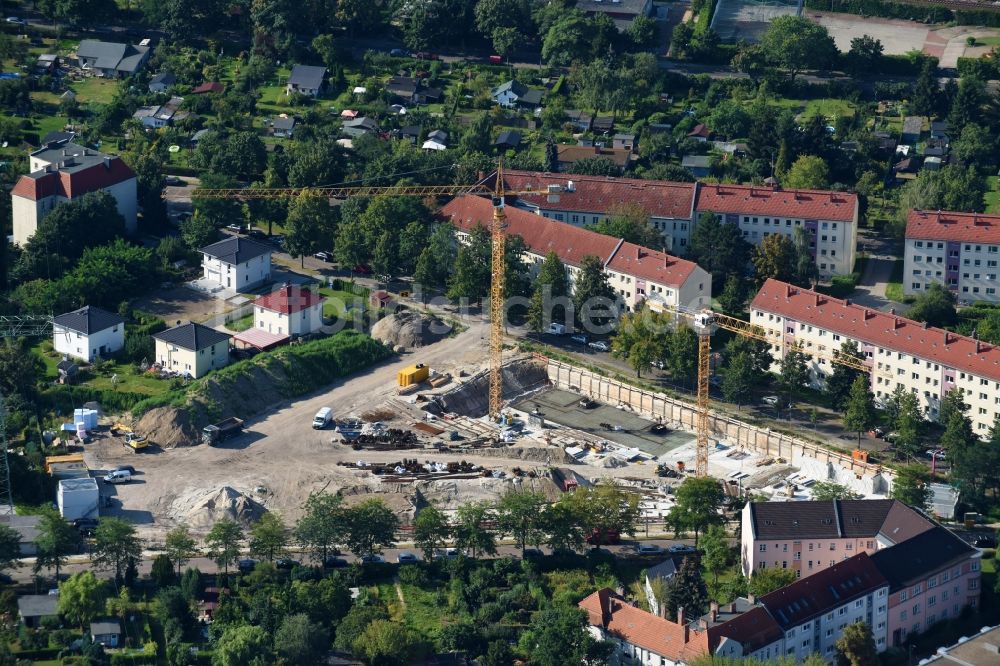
x: 514, y: 93
x: 27, y: 528
x: 283, y: 127
x: 236, y: 263
x: 359, y: 126
x: 306, y: 80
x: 191, y: 349
x: 111, y: 59
x: 161, y: 82
x: 663, y: 571
x: 31, y: 608
x: 106, y: 632
x: 88, y: 333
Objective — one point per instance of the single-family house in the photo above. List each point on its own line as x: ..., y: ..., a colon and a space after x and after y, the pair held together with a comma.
x: 436, y: 140
x: 209, y: 87
x: 411, y: 133
x: 932, y: 163
x: 567, y: 156
x: 700, y: 132
x: 236, y: 263
x: 380, y: 299
x: 360, y: 126
x: 191, y: 349
x: 47, y: 64
x: 514, y: 93
x: 27, y: 528
x: 403, y: 87
x: 32, y: 608
x: 306, y: 80
x: 912, y: 128
x: 162, y: 115
x: 430, y: 95
x: 508, y: 140
x: 106, y: 632
x: 289, y: 311
x: 63, y: 171
x: 283, y: 127
x: 621, y: 12
x: 698, y: 166
x: 88, y: 333
x: 656, y: 576
x: 625, y: 141
x: 161, y: 82
x: 603, y: 124
x: 579, y: 120
x: 939, y: 129
x: 111, y: 59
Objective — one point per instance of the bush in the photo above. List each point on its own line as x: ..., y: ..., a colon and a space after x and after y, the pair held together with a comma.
x: 411, y: 574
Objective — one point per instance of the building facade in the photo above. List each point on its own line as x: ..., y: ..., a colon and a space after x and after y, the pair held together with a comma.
x: 88, y: 333
x: 960, y: 251
x: 929, y: 362
x: 236, y: 263
x: 289, y: 310
x: 62, y: 171
x: 192, y: 349
x: 639, y: 275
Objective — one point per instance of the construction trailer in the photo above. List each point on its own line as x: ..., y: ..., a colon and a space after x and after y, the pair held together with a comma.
x: 78, y: 498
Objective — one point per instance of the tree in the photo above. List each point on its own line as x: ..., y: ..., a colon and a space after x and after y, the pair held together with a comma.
x: 321, y: 524
x: 719, y: 247
x: 471, y: 533
x: 497, y: 654
x: 865, y: 55
x: 924, y: 101
x: 223, y: 542
x: 958, y: 435
x: 968, y: 103
x: 859, y: 410
x: 976, y: 470
x: 569, y: 38
x: 640, y: 339
x: 551, y: 294
x: 594, y: 299
x: 808, y: 172
x: 631, y: 222
x: 952, y: 403
x: 739, y: 378
x: 794, y: 373
x: 180, y: 547
x: 10, y: 548
x: 520, y: 515
x: 976, y: 145
x: 268, y: 537
x: 806, y: 271
x: 936, y: 306
x: 912, y: 486
x: 565, y: 522
x: 436, y: 259
x: 682, y: 355
x: 116, y: 546
x: 361, y: 16
x: 909, y: 423
x: 795, y: 43
x: 557, y: 636
x: 610, y: 509
x: 385, y: 642
x: 750, y: 59
x: 505, y: 40
x: 768, y: 580
x: 686, y: 590
x: 856, y: 646
x: 199, y: 230
x: 775, y: 257
x: 717, y: 552
x: 301, y: 641
x: 595, y: 166
x: 471, y: 276
x: 56, y: 541
x: 81, y: 597
x: 825, y: 491
x: 699, y: 504
x: 242, y: 645
x: 310, y: 226
x: 839, y: 382
x: 733, y: 298
x: 430, y: 531
x: 369, y: 527
x: 162, y: 570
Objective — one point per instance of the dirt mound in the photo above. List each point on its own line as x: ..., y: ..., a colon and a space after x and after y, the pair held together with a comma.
x: 472, y: 397
x: 168, y: 427
x: 205, y: 510
x: 409, y: 329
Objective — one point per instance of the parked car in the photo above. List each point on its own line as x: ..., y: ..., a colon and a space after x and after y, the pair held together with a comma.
x: 985, y: 542
x: 600, y: 345
x: 770, y: 400
x: 399, y: 53
x: 424, y: 55
x: 85, y: 526
x: 324, y: 256
x: 682, y: 548
x: 582, y: 339
x: 246, y: 565
x: 174, y: 181
x: 118, y: 476
x: 258, y: 234
x: 235, y: 228
x: 446, y: 554
x: 373, y: 559
x: 18, y: 21
x: 648, y: 549
x: 407, y: 557
x: 334, y: 563
x: 285, y: 563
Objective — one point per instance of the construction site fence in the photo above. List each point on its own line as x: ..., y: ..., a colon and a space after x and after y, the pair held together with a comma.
x: 839, y: 467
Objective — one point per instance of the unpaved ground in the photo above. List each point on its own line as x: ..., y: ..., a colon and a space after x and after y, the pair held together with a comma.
x: 181, y: 304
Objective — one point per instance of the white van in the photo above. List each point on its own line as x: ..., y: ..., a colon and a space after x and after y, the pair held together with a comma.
x: 118, y: 476
x: 322, y: 418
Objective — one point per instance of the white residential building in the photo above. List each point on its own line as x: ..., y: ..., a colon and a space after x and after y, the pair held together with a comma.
x: 929, y: 362
x: 289, y: 311
x: 62, y: 171
x: 88, y: 333
x: 192, y: 349
x: 236, y: 263
x: 958, y: 250
x: 637, y: 274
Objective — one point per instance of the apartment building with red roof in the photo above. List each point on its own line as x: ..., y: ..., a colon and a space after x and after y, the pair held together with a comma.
x: 904, y: 353
x: 958, y: 250
x: 639, y: 275
x: 62, y: 171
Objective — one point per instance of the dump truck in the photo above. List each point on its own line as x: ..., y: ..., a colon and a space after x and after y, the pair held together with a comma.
x: 413, y: 374
x: 223, y: 430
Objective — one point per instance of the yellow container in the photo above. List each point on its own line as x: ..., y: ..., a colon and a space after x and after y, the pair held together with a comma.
x: 413, y: 374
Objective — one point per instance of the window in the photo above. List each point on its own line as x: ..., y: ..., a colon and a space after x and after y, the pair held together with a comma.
x: 903, y: 596
x: 763, y: 548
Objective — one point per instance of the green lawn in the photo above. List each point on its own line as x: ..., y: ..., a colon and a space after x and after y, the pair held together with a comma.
x: 992, y: 197
x: 338, y: 302
x: 894, y: 290
x: 241, y: 324
x: 95, y: 90
x: 129, y: 379
x: 987, y: 41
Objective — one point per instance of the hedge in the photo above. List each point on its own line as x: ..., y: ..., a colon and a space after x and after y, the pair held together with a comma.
x: 64, y: 399
x: 883, y: 9
x: 350, y: 287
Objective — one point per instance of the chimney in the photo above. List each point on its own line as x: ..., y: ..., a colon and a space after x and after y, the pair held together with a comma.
x: 978, y: 346
x: 752, y: 598
x: 896, y: 323
x: 945, y: 337
x: 713, y: 609
x: 892, y: 311
x: 107, y: 162
x: 703, y: 624
x: 925, y: 324
x: 680, y: 616
x: 847, y: 301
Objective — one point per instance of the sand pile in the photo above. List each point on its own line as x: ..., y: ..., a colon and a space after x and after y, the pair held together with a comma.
x: 203, y: 510
x: 409, y: 329
x: 168, y: 427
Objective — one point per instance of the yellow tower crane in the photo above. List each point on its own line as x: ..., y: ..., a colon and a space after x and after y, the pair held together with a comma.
x: 496, y: 192
x: 705, y: 322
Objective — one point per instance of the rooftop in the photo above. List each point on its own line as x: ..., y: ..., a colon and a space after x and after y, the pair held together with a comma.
x: 104, y: 627
x: 634, y: 7
x: 309, y: 77
x: 71, y: 171
x: 920, y: 556
x: 192, y: 336
x: 235, y: 250
x: 983, y: 649
x: 88, y: 319
x: 778, y: 521
x: 951, y: 226
x: 208, y: 87
x: 112, y: 55
x: 800, y: 204
x: 38, y: 605
x: 289, y: 299
x: 887, y: 331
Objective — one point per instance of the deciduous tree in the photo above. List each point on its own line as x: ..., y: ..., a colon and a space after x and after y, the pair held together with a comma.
x: 699, y: 503
x: 936, y: 306
x: 269, y: 537
x: 795, y: 43
x: 775, y: 257
x: 794, y: 371
x: 81, y: 597
x: 550, y: 296
x: 430, y: 531
x: 180, y: 547
x: 856, y: 646
x: 594, y: 299
x: 320, y: 527
x: 824, y: 491
x: 686, y: 589
x: 859, y: 410
x: 57, y: 540
x: 223, y: 542
x: 116, y: 547
x: 520, y: 513
x: 770, y: 579
x: 641, y: 339
x: 472, y: 533
x: 912, y: 486
x: 369, y: 527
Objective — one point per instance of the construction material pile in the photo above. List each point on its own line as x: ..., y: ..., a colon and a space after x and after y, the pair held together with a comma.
x: 392, y: 439
x: 410, y: 470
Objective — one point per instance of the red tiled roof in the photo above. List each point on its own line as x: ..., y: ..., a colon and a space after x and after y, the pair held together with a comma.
x: 880, y: 329
x: 823, y: 591
x: 75, y: 184
x: 652, y: 265
x: 800, y: 204
x: 656, y: 634
x: 289, y: 299
x: 948, y: 226
x: 700, y: 130
x: 540, y: 234
x: 208, y: 87
x: 565, y: 153
x: 753, y: 630
x: 604, y: 195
